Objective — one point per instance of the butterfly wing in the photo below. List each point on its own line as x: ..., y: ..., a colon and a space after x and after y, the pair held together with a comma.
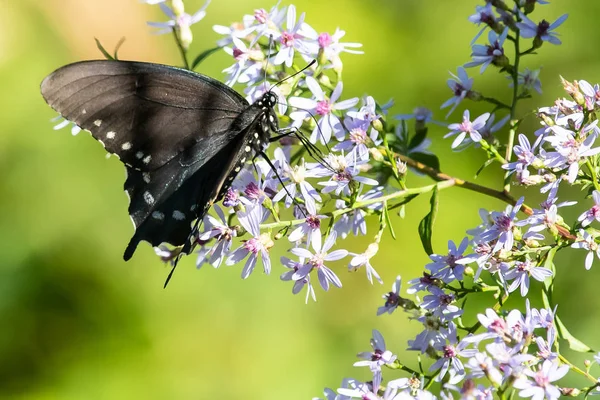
x: 178, y: 132
x: 144, y: 113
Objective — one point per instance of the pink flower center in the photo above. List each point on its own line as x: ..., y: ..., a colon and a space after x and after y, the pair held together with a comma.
x: 287, y: 39
x: 253, y: 191
x: 449, y: 351
x: 184, y: 20
x: 504, y: 223
x: 237, y: 53
x: 261, y: 15
x: 358, y: 136
x: 253, y: 245
x: 324, y: 107
x: 342, y: 176
x: 324, y: 40
x: 466, y: 126
x: 313, y: 222
x: 541, y: 380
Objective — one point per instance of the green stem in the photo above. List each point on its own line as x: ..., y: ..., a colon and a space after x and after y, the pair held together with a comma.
x: 360, y: 204
x: 588, y: 163
x: 182, y: 50
x: 513, y: 111
x: 576, y: 369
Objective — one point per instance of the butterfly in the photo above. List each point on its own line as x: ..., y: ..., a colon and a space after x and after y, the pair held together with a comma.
x: 182, y: 136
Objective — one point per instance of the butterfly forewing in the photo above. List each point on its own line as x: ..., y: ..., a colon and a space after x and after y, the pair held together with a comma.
x: 144, y: 113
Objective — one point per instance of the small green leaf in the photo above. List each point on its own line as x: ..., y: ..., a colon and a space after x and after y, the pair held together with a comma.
x: 574, y: 343
x: 388, y: 221
x: 202, y: 56
x: 484, y: 166
x: 416, y: 140
x: 426, y: 224
x: 402, y: 212
x: 103, y: 50
x: 118, y: 46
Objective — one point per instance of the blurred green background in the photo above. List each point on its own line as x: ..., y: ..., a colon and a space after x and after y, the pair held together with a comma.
x: 77, y: 322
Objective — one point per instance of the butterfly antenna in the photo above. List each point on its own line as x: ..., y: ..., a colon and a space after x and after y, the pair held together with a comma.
x: 313, y: 62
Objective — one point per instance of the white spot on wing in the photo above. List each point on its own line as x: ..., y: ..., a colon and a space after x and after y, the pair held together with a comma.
x: 256, y: 135
x: 139, y: 154
x: 148, y: 198
x: 84, y: 111
x: 147, y: 159
x: 178, y: 215
x: 98, y: 122
x: 158, y: 215
x: 110, y: 135
x: 237, y: 169
x: 247, y: 149
x: 146, y: 177
x: 243, y: 160
x: 126, y: 146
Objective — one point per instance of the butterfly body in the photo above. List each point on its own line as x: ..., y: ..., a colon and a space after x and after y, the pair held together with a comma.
x: 182, y: 136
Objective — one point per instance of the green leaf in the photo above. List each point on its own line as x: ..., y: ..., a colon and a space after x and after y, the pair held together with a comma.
x: 388, y: 221
x: 428, y: 159
x: 426, y: 224
x: 416, y: 140
x: 574, y: 343
x: 484, y: 166
x: 103, y: 50
x: 118, y: 46
x: 202, y: 56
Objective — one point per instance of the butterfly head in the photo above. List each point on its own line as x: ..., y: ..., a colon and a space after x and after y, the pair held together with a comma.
x: 268, y: 100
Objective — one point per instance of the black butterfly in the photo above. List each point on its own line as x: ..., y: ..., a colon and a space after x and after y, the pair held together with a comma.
x: 182, y: 136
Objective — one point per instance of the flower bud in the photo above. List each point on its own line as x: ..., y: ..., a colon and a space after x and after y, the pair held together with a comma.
x: 377, y: 125
x: 186, y: 36
x: 178, y: 7
x: 570, y: 392
x: 376, y: 154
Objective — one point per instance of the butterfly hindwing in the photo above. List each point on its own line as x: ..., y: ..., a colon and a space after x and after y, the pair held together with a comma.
x: 165, y: 202
x: 144, y: 113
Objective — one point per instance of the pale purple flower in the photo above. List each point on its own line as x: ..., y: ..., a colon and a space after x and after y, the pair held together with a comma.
x: 593, y: 213
x: 422, y: 284
x: 259, y: 244
x: 330, y: 45
x: 525, y: 153
x: 360, y: 390
x: 235, y: 30
x: 545, y: 349
x: 219, y: 230
x: 491, y: 53
x: 545, y: 217
x: 181, y: 21
x: 483, y: 15
x: 368, y: 111
x: 245, y: 58
x: 354, y: 221
x: 541, y: 31
x: 365, y: 259
x: 569, y: 150
x: 310, y: 228
x: 266, y: 23
x: 466, y: 127
x: 345, y: 171
x: 290, y: 39
x: 392, y: 299
x: 440, y: 303
x: 482, y: 365
x: 451, y: 266
x: 297, y: 174
x: 461, y: 86
x: 502, y: 228
x: 587, y: 241
x: 293, y: 267
x: 324, y: 107
x: 377, y: 358
x: 434, y: 335
x: 540, y: 387
x: 521, y: 272
x: 452, y: 351
x: 529, y: 79
x: 358, y: 140
x: 316, y: 261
